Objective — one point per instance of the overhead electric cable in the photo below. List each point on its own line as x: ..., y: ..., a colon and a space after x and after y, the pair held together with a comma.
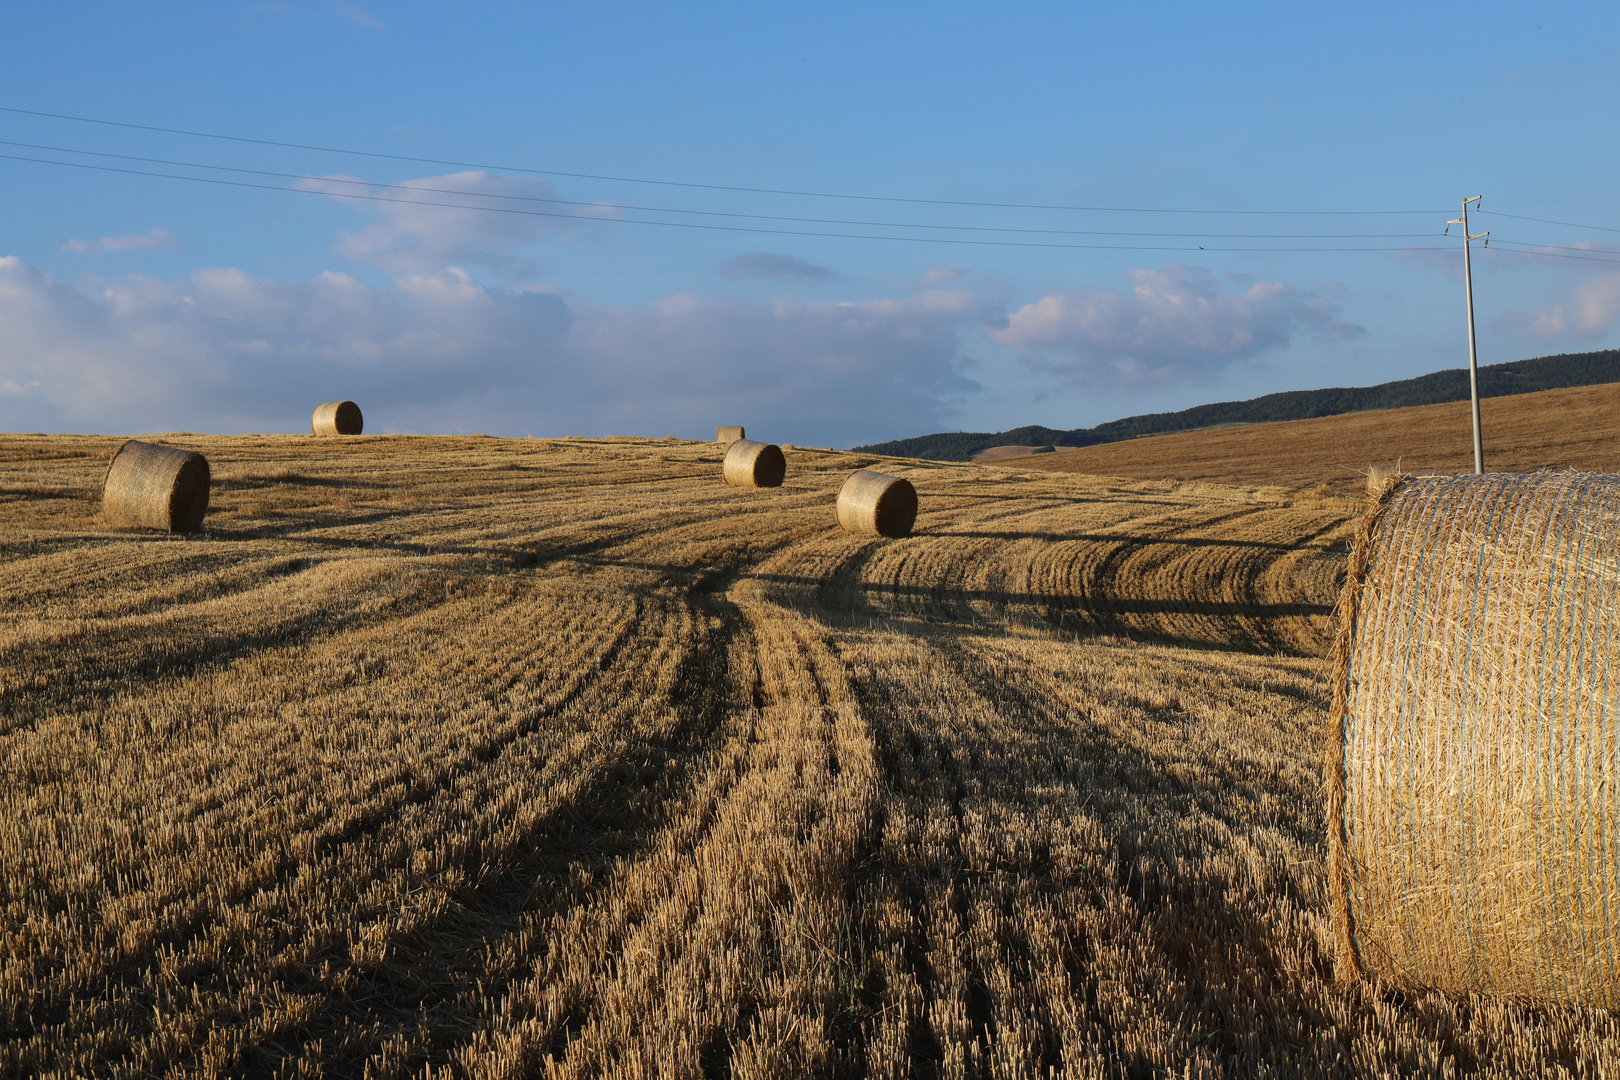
x: 1565, y: 247
x: 1513, y: 247
x: 707, y: 213
x: 1550, y: 221
x: 685, y: 224
x: 685, y: 184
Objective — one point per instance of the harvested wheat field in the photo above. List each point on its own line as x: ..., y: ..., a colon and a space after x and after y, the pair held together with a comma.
x: 1554, y: 429
x: 493, y: 758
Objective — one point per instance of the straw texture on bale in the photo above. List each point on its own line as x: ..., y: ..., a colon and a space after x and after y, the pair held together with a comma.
x: 337, y: 418
x: 754, y: 464
x: 725, y: 436
x: 156, y: 487
x: 876, y: 503
x: 1473, y: 825
x: 1380, y: 477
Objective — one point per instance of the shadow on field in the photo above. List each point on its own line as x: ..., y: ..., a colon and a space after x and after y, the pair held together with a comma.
x: 261, y: 481
x: 1125, y: 539
x: 422, y: 990
x: 1132, y: 838
x: 440, y: 974
x: 1111, y: 608
x: 1114, y: 604
x: 1224, y: 624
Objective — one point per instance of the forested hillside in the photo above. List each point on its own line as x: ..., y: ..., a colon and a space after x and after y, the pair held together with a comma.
x: 1495, y: 380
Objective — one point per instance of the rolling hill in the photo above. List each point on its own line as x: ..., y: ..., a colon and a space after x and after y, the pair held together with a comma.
x: 1577, y: 428
x: 1495, y: 380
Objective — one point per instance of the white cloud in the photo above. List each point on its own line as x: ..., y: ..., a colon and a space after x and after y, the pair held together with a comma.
x: 273, y: 9
x: 357, y: 15
x: 222, y: 350
x: 1485, y: 257
x: 842, y: 373
x: 1175, y: 322
x: 349, y: 13
x: 151, y: 240
x: 1591, y: 311
x: 939, y: 275
x: 468, y: 218
x: 765, y: 264
x: 1447, y: 262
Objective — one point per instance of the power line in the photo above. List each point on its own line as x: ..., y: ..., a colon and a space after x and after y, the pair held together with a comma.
x: 711, y: 213
x: 685, y: 184
x: 1509, y: 246
x: 1513, y: 247
x: 1550, y: 221
x: 1567, y: 247
x: 689, y: 224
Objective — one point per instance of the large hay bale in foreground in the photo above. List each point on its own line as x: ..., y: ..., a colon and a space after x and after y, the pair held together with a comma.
x: 337, y: 418
x: 156, y: 487
x: 1380, y: 477
x: 1473, y: 818
x: 754, y: 464
x: 725, y: 436
x: 877, y: 503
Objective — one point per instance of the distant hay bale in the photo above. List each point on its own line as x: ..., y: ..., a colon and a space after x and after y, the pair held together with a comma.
x: 1473, y: 825
x: 876, y: 503
x: 156, y: 487
x: 725, y: 436
x: 337, y: 418
x: 754, y: 464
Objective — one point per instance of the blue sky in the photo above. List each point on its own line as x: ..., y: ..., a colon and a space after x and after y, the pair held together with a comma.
x: 137, y: 303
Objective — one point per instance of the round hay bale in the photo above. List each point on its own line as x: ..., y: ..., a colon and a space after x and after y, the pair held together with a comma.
x: 877, y: 503
x: 754, y: 464
x: 725, y: 436
x: 1473, y: 825
x: 1380, y: 477
x: 337, y: 418
x: 156, y: 487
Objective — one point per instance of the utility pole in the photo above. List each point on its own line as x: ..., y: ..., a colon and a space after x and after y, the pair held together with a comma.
x: 1473, y: 352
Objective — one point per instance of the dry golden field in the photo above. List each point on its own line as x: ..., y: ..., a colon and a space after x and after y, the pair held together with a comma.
x: 1555, y: 429
x: 494, y: 758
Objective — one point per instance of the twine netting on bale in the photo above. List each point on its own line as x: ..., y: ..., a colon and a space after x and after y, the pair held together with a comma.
x: 725, y: 436
x: 1473, y: 825
x: 874, y: 502
x: 156, y: 487
x: 337, y: 418
x: 754, y: 464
